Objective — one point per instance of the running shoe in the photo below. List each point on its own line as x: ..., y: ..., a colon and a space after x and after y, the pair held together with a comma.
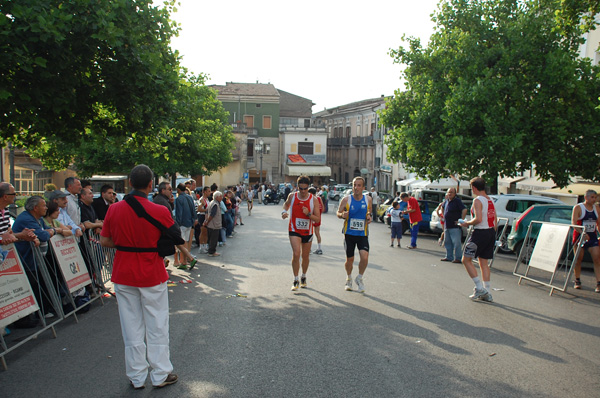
x: 318, y: 251
x: 360, y: 284
x: 488, y: 298
x: 597, y: 287
x: 348, y: 286
x: 303, y: 282
x: 577, y: 284
x: 193, y: 263
x: 295, y: 285
x: 478, y: 294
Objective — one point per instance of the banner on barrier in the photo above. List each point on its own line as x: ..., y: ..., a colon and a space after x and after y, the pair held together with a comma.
x: 549, y: 246
x: 16, y: 297
x: 71, y: 262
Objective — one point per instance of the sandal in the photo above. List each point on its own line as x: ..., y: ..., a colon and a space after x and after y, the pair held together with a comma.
x: 577, y: 283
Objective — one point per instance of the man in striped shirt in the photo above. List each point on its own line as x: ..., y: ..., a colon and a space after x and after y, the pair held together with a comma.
x: 7, y: 197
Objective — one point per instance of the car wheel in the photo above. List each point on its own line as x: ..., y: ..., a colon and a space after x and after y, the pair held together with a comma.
x: 504, y: 245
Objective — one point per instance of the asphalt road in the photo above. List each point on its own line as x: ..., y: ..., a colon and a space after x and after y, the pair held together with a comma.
x: 414, y: 333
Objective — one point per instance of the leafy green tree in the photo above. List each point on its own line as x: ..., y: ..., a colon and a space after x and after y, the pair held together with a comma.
x: 68, y: 65
x: 197, y: 140
x: 576, y: 17
x: 497, y: 89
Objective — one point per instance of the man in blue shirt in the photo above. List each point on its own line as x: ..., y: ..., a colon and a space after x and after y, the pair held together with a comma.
x: 30, y: 219
x: 454, y: 209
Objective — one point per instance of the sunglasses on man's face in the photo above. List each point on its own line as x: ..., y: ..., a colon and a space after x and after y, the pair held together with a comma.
x: 303, y: 189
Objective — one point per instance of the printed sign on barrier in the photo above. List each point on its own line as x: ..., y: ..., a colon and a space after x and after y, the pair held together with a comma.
x: 71, y: 262
x: 549, y: 246
x: 16, y: 297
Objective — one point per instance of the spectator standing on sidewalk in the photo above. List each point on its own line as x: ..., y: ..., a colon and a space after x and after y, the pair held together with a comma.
x: 213, y: 223
x: 140, y: 281
x: 454, y: 209
x: 414, y: 216
x: 101, y: 203
x: 375, y: 198
x: 203, y: 203
x: 185, y: 216
x: 7, y: 236
x: 73, y: 187
x: 395, y: 222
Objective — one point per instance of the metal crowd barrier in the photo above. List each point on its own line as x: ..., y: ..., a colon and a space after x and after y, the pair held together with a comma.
x: 55, y: 301
x: 548, y: 254
x: 102, y: 258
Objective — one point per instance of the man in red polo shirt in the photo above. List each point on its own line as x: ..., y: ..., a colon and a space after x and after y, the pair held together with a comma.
x: 140, y: 281
x: 414, y: 215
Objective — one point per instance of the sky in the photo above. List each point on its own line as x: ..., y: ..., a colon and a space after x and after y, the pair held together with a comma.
x: 331, y: 52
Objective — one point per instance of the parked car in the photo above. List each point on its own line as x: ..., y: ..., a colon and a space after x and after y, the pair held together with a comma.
x: 560, y: 214
x: 512, y: 206
x: 436, y: 196
x: 337, y: 190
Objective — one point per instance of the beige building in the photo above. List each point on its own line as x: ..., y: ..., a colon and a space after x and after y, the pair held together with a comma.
x: 353, y: 136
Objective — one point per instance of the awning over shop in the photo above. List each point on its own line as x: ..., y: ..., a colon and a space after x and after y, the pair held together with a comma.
x: 108, y: 178
x: 533, y: 184
x: 309, y: 170
x: 506, y: 181
x: 441, y: 184
x: 406, y: 182
x: 577, y: 189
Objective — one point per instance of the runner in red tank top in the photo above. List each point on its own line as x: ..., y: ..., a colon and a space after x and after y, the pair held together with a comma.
x: 304, y: 209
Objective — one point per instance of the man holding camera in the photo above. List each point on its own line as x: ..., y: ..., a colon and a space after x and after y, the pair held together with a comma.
x: 140, y: 281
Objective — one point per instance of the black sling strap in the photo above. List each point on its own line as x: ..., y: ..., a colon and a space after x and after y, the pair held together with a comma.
x: 141, y: 212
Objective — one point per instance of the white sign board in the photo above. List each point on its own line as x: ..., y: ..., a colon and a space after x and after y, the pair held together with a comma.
x: 71, y: 262
x: 16, y: 297
x: 549, y: 246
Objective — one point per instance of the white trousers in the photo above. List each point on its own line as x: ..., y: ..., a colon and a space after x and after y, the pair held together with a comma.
x: 144, y: 314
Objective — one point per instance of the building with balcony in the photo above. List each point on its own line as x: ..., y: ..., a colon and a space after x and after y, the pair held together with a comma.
x: 353, y: 139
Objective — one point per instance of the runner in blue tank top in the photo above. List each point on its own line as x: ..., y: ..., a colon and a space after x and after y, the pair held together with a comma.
x: 356, y: 211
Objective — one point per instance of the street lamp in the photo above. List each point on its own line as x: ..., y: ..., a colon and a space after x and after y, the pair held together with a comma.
x: 260, y: 148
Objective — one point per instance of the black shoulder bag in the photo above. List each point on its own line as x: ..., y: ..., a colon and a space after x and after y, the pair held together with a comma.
x: 169, y: 237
